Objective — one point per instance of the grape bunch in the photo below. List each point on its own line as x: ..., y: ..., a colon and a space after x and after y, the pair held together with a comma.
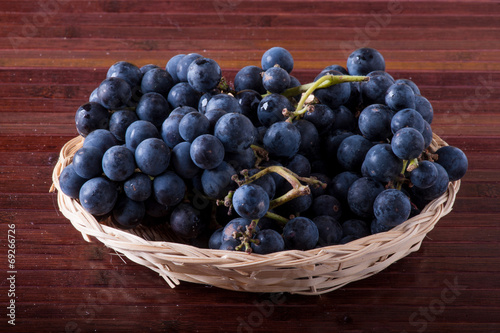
x: 262, y: 164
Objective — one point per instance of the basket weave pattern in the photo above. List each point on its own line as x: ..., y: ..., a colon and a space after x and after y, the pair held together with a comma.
x: 311, y: 272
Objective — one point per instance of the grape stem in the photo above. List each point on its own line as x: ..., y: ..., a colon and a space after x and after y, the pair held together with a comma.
x: 247, y: 237
x: 282, y: 220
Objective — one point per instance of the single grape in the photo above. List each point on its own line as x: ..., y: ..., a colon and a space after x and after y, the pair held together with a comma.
x: 182, y: 163
x: 138, y: 187
x: 424, y: 107
x: 118, y: 163
x: 98, y: 196
x: 139, y: 131
x: 241, y: 160
x: 276, y: 80
x: 230, y: 245
x: 213, y: 117
x: 354, y: 229
x: 326, y: 205
x: 171, y: 67
x: 114, y: 93
x: 435, y: 190
x: 379, y: 226
x: 224, y: 102
x: 266, y: 182
x: 334, y: 95
x: 381, y: 163
x: 183, y: 65
x: 425, y: 175
x: 101, y: 138
x: 249, y: 77
x: 271, y: 107
x: 427, y: 135
x: 344, y: 120
x: 120, y: 121
x: 365, y: 60
x: 309, y: 138
x: 87, y: 162
x: 157, y: 80
x: 375, y: 122
x: 407, y: 118
x: 282, y: 139
x: 170, y: 130
x: 400, y: 96
x: 373, y: 91
x: 204, y: 74
x: 125, y: 71
x: 192, y: 125
x: 91, y: 116
x: 169, y: 188
x: 207, y: 152
x: 392, y: 207
x: 411, y: 84
x: 453, y: 160
x: 277, y: 56
x: 300, y: 165
x: 215, y: 240
x: 300, y: 233
x: 235, y: 131
x: 186, y: 221
x: 217, y: 182
x: 338, y: 68
x: 249, y: 103
x: 340, y: 183
x: 251, y: 201
x: 128, y: 213
x: 70, y: 182
x: 237, y: 225
x: 152, y: 156
x: 362, y: 194
x: 146, y: 68
x: 204, y: 99
x: 329, y: 230
x: 322, y: 116
x: 182, y: 94
x: 352, y: 151
x: 154, y: 108
x: 407, y: 143
x: 155, y: 209
x: 267, y: 241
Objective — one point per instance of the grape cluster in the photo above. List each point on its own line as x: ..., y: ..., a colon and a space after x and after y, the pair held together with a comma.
x: 261, y: 165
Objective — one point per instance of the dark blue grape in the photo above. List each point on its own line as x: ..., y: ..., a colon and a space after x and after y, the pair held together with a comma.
x: 138, y: 187
x: 154, y: 108
x: 424, y: 107
x: 326, y: 205
x: 182, y: 94
x: 276, y: 80
x: 375, y: 122
x: 271, y: 107
x: 344, y: 119
x: 266, y: 182
x: 268, y: 241
x: 217, y: 182
x: 335, y: 95
x: 249, y: 103
x: 425, y: 175
x: 120, y: 121
x: 300, y: 165
x: 453, y: 160
x: 381, y: 164
x: 128, y: 213
x: 235, y: 131
x: 182, y: 162
x: 336, y: 68
x: 204, y: 74
x: 157, y: 80
x: 329, y: 230
x: 171, y: 67
x: 282, y: 139
x: 352, y: 151
x: 186, y: 221
x: 427, y: 134
x: 193, y: 125
x: 224, y: 102
x: 91, y: 116
x: 411, y: 84
x: 362, y: 194
x: 237, y: 225
x: 331, y: 146
x: 125, y: 71
x: 118, y: 163
x: 114, y: 93
x: 242, y: 159
x: 87, y: 162
x: 94, y: 98
x: 207, y: 152
x: 300, y: 233
x: 391, y: 207
x: 215, y: 240
x: 379, y: 226
x: 70, y: 183
x: 354, y: 229
x: 400, y: 96
x: 230, y: 245
x: 146, y: 68
x: 435, y: 190
x: 152, y: 156
x: 365, y: 60
x: 204, y: 99
x: 309, y: 138
x: 277, y: 56
x: 170, y: 130
x: 339, y: 185
x: 249, y: 77
x: 407, y: 118
x: 373, y: 91
x: 407, y: 143
x: 322, y: 116
x: 139, y: 131
x: 183, y: 65
x: 101, y: 138
x: 98, y: 196
x: 251, y: 201
x: 169, y: 188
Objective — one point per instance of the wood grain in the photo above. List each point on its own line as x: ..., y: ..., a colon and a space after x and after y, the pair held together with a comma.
x: 53, y: 53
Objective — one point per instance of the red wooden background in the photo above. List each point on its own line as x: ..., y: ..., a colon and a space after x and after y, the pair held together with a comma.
x: 53, y: 53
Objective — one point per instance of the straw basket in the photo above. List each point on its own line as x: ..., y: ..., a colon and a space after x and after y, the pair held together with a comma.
x: 311, y: 272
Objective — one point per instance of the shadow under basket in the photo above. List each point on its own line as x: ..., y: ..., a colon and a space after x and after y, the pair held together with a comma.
x: 311, y: 272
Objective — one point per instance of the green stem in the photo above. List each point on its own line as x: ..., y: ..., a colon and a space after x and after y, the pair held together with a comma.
x: 277, y: 217
x: 400, y: 183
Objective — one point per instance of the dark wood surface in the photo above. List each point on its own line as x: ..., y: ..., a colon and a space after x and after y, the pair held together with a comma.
x: 54, y: 53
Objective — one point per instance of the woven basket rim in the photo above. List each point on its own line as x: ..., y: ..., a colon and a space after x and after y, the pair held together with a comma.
x: 233, y: 270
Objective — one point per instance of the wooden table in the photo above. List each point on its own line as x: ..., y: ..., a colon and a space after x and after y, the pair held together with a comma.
x: 53, y: 53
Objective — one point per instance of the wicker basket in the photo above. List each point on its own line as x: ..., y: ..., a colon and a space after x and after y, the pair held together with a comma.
x: 311, y: 272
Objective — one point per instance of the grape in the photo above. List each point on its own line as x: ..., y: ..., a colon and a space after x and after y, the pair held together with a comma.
x: 118, y: 163
x: 453, y: 160
x: 204, y: 74
x: 375, y: 122
x: 336, y: 68
x: 326, y: 205
x: 425, y: 175
x: 157, y: 80
x: 411, y: 84
x: 204, y: 99
x: 93, y: 98
x: 249, y: 77
x: 237, y: 225
x: 125, y: 71
x: 139, y: 131
x: 207, y: 152
x: 379, y: 226
x: 170, y: 130
x: 230, y: 245
x: 331, y: 146
x: 182, y: 94
x: 183, y: 65
x: 154, y: 108
x: 217, y: 182
x: 354, y: 229
x: 224, y: 102
x: 91, y: 116
x: 169, y: 188
x: 114, y: 93
x: 182, y: 163
x: 322, y: 116
x: 339, y: 185
x: 400, y: 96
x: 128, y: 213
x: 98, y: 196
x: 329, y: 230
x: 192, y: 125
x: 251, y: 201
x: 407, y: 143
x: 120, y: 121
x: 344, y: 120
x: 268, y: 241
x: 282, y: 139
x: 277, y: 56
x: 171, y: 67
x: 391, y: 207
x: 249, y: 103
x: 152, y: 156
x: 271, y: 107
x: 70, y: 183
x: 241, y: 160
x: 215, y: 240
x: 138, y: 187
x: 427, y: 134
x: 335, y: 95
x: 299, y: 165
x: 309, y: 138
x: 373, y: 91
x: 155, y: 209
x: 266, y: 182
x: 235, y: 131
x: 424, y: 107
x: 365, y: 60
x: 146, y: 68
x: 362, y: 194
x: 300, y: 233
x: 407, y: 118
x: 435, y: 190
x: 101, y: 138
x: 381, y: 164
x: 352, y: 151
x: 186, y: 221
x: 275, y: 80
x: 213, y: 117
x: 87, y: 162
